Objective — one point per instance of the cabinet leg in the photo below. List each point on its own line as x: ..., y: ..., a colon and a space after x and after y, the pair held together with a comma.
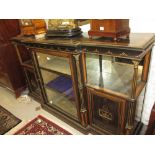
x: 130, y: 117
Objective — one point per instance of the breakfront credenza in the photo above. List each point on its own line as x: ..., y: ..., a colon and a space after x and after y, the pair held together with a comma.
x: 93, y: 84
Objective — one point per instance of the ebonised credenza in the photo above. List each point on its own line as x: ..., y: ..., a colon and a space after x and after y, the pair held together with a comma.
x: 92, y: 84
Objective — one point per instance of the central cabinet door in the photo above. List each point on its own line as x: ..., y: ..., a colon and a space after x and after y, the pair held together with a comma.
x: 59, y: 84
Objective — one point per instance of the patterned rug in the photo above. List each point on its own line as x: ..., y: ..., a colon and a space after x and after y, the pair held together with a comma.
x: 7, y: 121
x: 41, y: 126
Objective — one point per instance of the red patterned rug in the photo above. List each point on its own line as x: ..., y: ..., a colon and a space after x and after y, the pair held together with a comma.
x: 41, y: 126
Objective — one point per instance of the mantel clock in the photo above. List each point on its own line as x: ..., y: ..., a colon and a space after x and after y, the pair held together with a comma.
x: 32, y: 26
x: 113, y: 28
x: 63, y: 28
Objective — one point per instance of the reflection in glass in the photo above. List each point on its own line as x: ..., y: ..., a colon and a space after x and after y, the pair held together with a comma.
x: 55, y: 63
x: 113, y: 75
x: 59, y: 90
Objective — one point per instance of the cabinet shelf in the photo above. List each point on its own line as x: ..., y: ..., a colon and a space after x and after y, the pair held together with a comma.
x: 54, y: 71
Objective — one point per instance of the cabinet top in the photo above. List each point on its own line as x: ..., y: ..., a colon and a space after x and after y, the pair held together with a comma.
x: 135, y: 48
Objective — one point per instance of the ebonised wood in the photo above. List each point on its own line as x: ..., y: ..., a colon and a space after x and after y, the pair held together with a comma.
x: 137, y: 50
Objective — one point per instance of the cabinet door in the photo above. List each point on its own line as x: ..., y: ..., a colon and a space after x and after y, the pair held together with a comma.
x: 58, y: 83
x: 32, y: 82
x: 107, y: 112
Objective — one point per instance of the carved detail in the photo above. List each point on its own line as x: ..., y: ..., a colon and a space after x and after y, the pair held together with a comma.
x: 136, y: 63
x: 84, y: 50
x: 76, y: 51
x: 66, y: 49
x: 123, y: 54
x: 80, y: 85
x: 134, y: 81
x: 84, y: 118
x: 58, y: 48
x: 105, y: 113
x: 77, y: 57
x: 130, y: 117
x: 96, y: 51
x: 109, y: 52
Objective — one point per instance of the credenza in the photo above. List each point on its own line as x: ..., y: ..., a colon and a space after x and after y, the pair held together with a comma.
x: 92, y: 84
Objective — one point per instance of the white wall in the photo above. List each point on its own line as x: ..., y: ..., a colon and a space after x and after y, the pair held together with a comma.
x: 142, y: 25
x: 146, y: 26
x: 150, y: 91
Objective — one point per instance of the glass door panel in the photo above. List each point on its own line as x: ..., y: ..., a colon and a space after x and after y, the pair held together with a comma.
x: 59, y: 91
x: 113, y: 75
x: 54, y: 63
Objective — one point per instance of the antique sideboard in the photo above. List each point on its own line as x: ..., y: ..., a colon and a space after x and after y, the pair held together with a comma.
x: 92, y: 84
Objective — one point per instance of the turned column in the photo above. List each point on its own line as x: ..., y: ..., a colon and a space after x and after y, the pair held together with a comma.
x: 132, y: 104
x: 83, y: 109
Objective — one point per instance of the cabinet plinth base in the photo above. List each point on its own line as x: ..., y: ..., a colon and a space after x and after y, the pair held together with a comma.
x: 71, y: 122
x: 135, y: 131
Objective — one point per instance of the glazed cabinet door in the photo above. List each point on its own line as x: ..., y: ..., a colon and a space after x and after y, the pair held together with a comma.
x: 59, y: 82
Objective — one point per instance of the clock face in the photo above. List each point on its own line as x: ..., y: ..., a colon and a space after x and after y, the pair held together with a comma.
x: 26, y: 22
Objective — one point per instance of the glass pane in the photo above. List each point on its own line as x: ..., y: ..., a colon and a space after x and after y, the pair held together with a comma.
x: 115, y: 75
x: 60, y: 91
x: 55, y: 63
